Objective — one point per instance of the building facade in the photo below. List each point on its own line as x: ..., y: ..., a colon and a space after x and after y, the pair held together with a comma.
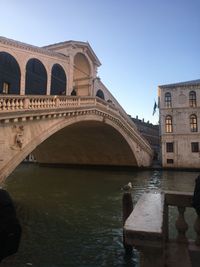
x: 179, y: 106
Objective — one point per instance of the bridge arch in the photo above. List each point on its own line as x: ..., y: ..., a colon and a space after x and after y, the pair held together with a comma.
x: 87, y: 142
x: 100, y: 94
x: 85, y: 139
x: 10, y: 74
x: 36, y: 78
x: 58, y: 80
x: 82, y: 74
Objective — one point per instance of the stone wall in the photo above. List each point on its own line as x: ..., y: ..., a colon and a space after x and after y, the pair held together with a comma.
x: 181, y: 135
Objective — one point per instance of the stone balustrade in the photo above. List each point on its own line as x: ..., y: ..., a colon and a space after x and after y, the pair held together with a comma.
x: 13, y: 103
x: 181, y: 200
x: 148, y: 227
x: 19, y: 103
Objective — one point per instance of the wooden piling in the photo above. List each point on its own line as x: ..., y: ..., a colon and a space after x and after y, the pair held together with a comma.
x: 127, y: 208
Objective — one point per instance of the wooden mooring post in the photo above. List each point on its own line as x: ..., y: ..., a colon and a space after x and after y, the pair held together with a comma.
x: 127, y: 208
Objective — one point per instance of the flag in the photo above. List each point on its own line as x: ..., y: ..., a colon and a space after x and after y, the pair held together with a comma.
x: 154, y: 108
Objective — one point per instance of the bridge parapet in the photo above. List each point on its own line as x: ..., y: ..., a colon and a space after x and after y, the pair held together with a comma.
x: 15, y: 103
x: 18, y: 103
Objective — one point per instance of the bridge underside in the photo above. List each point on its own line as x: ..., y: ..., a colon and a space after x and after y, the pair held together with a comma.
x: 86, y: 143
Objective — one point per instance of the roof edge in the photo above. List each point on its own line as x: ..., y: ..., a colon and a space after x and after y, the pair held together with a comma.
x: 42, y: 50
x: 192, y: 82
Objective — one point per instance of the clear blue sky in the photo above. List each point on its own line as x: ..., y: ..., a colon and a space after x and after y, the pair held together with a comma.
x: 140, y: 43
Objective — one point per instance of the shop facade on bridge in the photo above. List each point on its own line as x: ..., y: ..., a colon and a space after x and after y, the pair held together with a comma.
x: 66, y: 68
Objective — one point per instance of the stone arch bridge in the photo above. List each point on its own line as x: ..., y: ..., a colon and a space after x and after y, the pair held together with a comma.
x: 68, y: 130
x: 53, y: 104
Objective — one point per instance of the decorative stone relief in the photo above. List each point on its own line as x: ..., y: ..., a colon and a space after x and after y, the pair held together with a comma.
x: 18, y: 138
x: 2, y: 150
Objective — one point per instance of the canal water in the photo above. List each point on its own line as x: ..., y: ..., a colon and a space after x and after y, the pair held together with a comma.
x: 72, y: 217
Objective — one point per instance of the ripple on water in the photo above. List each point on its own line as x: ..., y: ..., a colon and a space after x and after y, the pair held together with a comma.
x: 72, y: 218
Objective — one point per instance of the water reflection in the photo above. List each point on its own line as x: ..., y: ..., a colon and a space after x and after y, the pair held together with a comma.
x: 73, y: 217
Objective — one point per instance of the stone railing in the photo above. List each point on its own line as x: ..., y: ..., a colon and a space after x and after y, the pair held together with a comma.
x: 146, y: 228
x: 14, y: 105
x: 181, y: 200
x: 18, y: 103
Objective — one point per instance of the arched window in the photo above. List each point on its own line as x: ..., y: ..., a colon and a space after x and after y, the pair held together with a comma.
x: 82, y: 75
x: 168, y: 100
x: 58, y: 80
x: 100, y: 94
x: 9, y: 74
x: 36, y: 78
x: 168, y: 124
x: 193, y: 123
x: 192, y: 99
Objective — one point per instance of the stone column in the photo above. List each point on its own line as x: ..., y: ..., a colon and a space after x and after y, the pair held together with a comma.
x: 48, y: 69
x: 23, y: 79
x: 94, y: 80
x: 70, y: 74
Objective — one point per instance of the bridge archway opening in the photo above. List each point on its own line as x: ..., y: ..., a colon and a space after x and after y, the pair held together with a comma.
x: 82, y: 74
x: 36, y: 78
x: 10, y: 74
x: 86, y: 143
x: 58, y: 80
x: 100, y: 94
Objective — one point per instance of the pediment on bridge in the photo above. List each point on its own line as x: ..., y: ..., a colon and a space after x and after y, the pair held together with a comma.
x: 13, y: 43
x: 67, y: 46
